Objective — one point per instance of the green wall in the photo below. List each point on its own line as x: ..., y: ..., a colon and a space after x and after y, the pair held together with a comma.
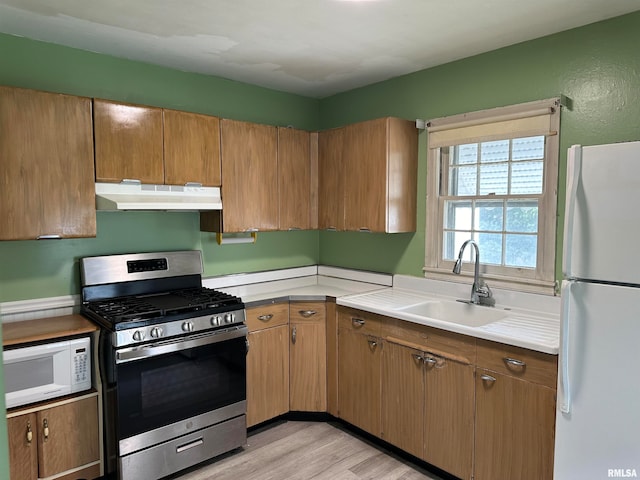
x: 597, y: 67
x: 49, y: 268
x: 31, y: 269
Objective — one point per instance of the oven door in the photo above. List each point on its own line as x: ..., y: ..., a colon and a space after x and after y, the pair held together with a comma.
x: 171, y: 388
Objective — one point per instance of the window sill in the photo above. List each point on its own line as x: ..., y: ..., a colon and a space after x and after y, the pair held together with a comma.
x: 527, y: 285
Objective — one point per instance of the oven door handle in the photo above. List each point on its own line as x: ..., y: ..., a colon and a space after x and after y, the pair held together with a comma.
x: 172, y: 346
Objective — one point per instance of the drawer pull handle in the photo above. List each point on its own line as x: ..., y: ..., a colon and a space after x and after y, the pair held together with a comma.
x: 487, y: 378
x: 294, y: 334
x: 187, y: 446
x: 29, y: 433
x: 45, y: 426
x: 417, y: 357
x: 372, y: 344
x: 430, y: 360
x: 265, y: 318
x: 357, y: 322
x: 307, y: 313
x: 515, y: 363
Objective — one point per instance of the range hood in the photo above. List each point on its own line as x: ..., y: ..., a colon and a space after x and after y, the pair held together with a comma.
x: 133, y: 195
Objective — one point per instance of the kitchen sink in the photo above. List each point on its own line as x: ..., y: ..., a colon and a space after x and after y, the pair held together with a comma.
x: 456, y: 312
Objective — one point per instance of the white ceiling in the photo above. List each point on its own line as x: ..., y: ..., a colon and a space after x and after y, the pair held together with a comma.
x: 313, y: 48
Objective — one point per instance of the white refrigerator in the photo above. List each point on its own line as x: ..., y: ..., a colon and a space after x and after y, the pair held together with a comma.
x: 598, y: 414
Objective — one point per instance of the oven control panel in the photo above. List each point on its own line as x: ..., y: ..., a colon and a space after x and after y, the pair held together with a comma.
x: 175, y: 328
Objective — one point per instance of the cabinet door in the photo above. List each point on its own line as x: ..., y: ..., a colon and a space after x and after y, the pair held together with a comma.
x: 514, y: 428
x: 267, y: 374
x: 332, y: 358
x: 68, y: 436
x: 23, y: 447
x: 294, y: 179
x: 191, y: 148
x: 249, y: 173
x: 403, y: 398
x: 128, y: 142
x: 308, y: 357
x: 46, y: 165
x: 331, y: 180
x: 365, y: 160
x: 449, y: 410
x: 359, y: 380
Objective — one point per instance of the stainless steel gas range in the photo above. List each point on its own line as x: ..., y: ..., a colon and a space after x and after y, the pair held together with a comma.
x: 172, y: 362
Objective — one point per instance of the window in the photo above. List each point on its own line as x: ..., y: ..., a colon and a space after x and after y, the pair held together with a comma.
x: 492, y: 177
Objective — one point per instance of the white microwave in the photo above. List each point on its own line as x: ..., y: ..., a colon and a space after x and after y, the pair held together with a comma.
x: 46, y: 371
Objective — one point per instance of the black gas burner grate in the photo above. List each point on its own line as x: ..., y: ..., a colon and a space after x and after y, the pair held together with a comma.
x: 156, y: 306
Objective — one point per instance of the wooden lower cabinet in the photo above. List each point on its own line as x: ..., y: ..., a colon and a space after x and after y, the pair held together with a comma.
x: 359, y: 379
x: 267, y: 374
x: 515, y: 421
x: 403, y: 402
x: 427, y: 407
x: 54, y: 440
x: 449, y: 414
x: 307, y: 357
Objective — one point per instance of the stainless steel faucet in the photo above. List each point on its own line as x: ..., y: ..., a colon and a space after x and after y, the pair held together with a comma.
x: 480, y: 292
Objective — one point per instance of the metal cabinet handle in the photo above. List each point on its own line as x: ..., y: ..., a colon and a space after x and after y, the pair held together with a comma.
x: 45, y: 431
x: 307, y: 313
x: 29, y: 433
x: 49, y: 237
x: 247, y: 346
x: 514, y: 362
x: 430, y: 360
x: 487, y: 378
x: 372, y: 344
x: 294, y: 333
x: 265, y: 318
x: 357, y: 322
x: 364, y: 229
x: 417, y: 357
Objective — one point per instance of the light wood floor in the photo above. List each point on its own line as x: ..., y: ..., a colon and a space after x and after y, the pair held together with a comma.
x: 295, y: 450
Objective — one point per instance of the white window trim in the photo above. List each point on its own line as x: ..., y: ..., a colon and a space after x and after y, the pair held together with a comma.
x: 477, y: 127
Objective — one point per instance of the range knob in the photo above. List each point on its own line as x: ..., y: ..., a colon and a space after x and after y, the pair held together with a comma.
x: 156, y: 332
x: 138, y: 336
x: 216, y: 321
x: 229, y: 318
x: 187, y: 326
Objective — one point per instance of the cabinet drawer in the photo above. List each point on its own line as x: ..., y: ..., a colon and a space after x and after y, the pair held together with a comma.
x: 307, y: 312
x: 535, y: 367
x: 355, y: 320
x: 266, y: 316
x: 439, y: 342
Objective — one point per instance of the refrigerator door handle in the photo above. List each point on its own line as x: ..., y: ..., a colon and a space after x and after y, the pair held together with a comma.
x: 574, y: 168
x: 564, y: 395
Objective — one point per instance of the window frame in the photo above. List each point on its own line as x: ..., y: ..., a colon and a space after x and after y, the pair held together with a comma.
x: 540, y: 279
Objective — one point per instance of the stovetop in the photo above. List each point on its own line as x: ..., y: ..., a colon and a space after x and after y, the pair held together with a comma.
x: 141, y: 310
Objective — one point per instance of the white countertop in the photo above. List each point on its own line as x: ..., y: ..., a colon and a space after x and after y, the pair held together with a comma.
x: 531, y: 320
x: 521, y: 328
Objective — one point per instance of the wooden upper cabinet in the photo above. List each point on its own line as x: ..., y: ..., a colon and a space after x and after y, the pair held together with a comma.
x: 330, y: 180
x: 46, y: 165
x: 381, y: 161
x: 249, y: 153
x: 367, y: 176
x: 128, y: 142
x: 297, y: 179
x: 191, y: 149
